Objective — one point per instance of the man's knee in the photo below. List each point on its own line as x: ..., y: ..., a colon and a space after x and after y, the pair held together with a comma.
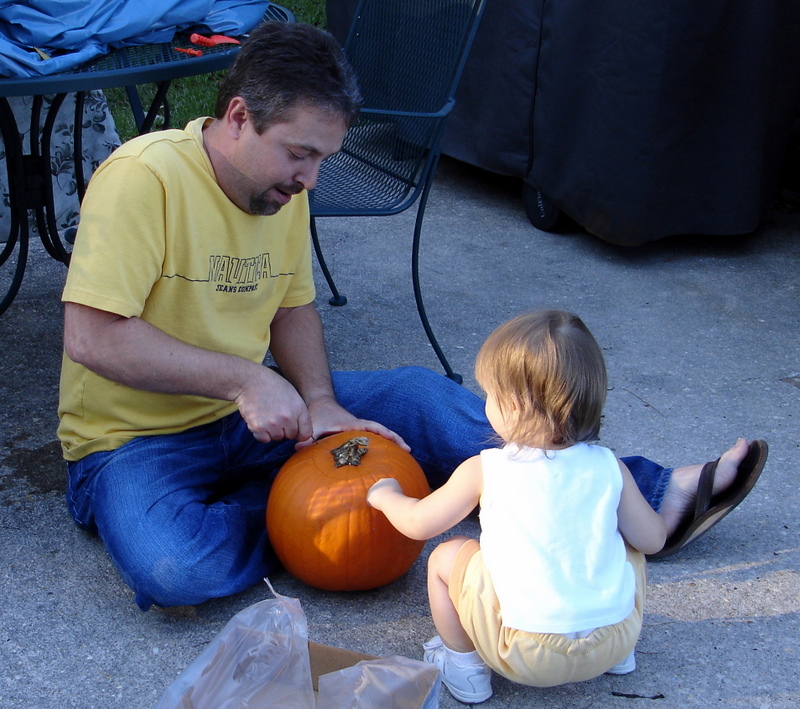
x: 168, y: 583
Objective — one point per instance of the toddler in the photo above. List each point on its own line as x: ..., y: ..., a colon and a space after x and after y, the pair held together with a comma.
x: 554, y: 592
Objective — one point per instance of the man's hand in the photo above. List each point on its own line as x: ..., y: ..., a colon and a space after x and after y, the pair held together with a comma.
x: 273, y: 410
x: 298, y: 348
x: 328, y: 417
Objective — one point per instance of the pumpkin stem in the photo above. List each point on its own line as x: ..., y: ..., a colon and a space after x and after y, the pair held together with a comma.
x: 350, y: 452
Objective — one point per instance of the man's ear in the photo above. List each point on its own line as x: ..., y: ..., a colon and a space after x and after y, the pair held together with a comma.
x: 236, y: 116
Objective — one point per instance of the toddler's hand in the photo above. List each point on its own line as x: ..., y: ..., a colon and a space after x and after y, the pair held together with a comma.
x: 377, y: 490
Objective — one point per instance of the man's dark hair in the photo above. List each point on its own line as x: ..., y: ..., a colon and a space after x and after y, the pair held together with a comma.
x: 281, y: 66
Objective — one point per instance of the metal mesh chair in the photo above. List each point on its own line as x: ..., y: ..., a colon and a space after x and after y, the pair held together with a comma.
x: 408, y: 57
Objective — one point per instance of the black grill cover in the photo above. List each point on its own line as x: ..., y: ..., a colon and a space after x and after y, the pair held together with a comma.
x: 639, y: 120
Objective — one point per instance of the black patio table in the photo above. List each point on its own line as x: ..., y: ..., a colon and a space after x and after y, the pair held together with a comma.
x: 29, y: 177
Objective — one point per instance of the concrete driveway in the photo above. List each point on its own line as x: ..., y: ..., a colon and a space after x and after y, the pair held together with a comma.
x: 701, y: 338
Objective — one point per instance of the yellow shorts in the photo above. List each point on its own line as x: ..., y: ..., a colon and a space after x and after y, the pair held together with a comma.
x: 538, y: 659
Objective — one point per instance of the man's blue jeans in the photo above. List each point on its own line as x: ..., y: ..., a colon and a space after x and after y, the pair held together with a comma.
x: 183, y: 515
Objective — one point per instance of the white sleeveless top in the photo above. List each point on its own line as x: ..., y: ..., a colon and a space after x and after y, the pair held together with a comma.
x: 550, y: 540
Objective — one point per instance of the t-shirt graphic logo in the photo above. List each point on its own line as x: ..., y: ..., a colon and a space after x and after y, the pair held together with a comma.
x: 240, y: 275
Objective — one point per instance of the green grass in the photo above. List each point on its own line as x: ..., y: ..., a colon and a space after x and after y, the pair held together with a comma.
x: 312, y: 11
x: 194, y: 96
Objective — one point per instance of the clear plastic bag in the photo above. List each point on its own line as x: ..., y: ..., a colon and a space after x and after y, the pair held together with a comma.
x: 386, y: 683
x: 259, y: 659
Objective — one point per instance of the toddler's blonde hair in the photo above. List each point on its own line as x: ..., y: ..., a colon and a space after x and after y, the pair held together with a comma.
x: 548, y: 376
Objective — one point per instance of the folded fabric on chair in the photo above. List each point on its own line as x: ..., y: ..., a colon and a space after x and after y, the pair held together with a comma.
x: 71, y: 32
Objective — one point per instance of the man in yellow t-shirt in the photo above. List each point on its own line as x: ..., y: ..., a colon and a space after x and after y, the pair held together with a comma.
x: 191, y: 262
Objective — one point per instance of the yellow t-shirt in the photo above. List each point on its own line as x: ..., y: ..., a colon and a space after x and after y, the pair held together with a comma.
x: 159, y: 239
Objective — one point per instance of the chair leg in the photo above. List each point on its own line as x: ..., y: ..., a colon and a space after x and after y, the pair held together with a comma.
x: 418, y: 291
x: 338, y: 298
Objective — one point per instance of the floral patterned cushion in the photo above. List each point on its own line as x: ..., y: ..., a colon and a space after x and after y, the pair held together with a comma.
x: 99, y: 140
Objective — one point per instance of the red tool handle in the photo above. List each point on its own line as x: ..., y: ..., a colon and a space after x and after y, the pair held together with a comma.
x: 192, y: 52
x: 213, y: 40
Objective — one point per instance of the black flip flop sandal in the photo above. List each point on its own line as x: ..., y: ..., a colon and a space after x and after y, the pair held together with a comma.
x: 710, y: 509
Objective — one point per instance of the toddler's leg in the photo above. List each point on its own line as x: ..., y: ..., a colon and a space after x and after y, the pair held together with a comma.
x: 445, y: 616
x: 464, y: 673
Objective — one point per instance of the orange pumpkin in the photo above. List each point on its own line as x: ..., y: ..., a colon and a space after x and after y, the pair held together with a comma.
x: 320, y: 524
